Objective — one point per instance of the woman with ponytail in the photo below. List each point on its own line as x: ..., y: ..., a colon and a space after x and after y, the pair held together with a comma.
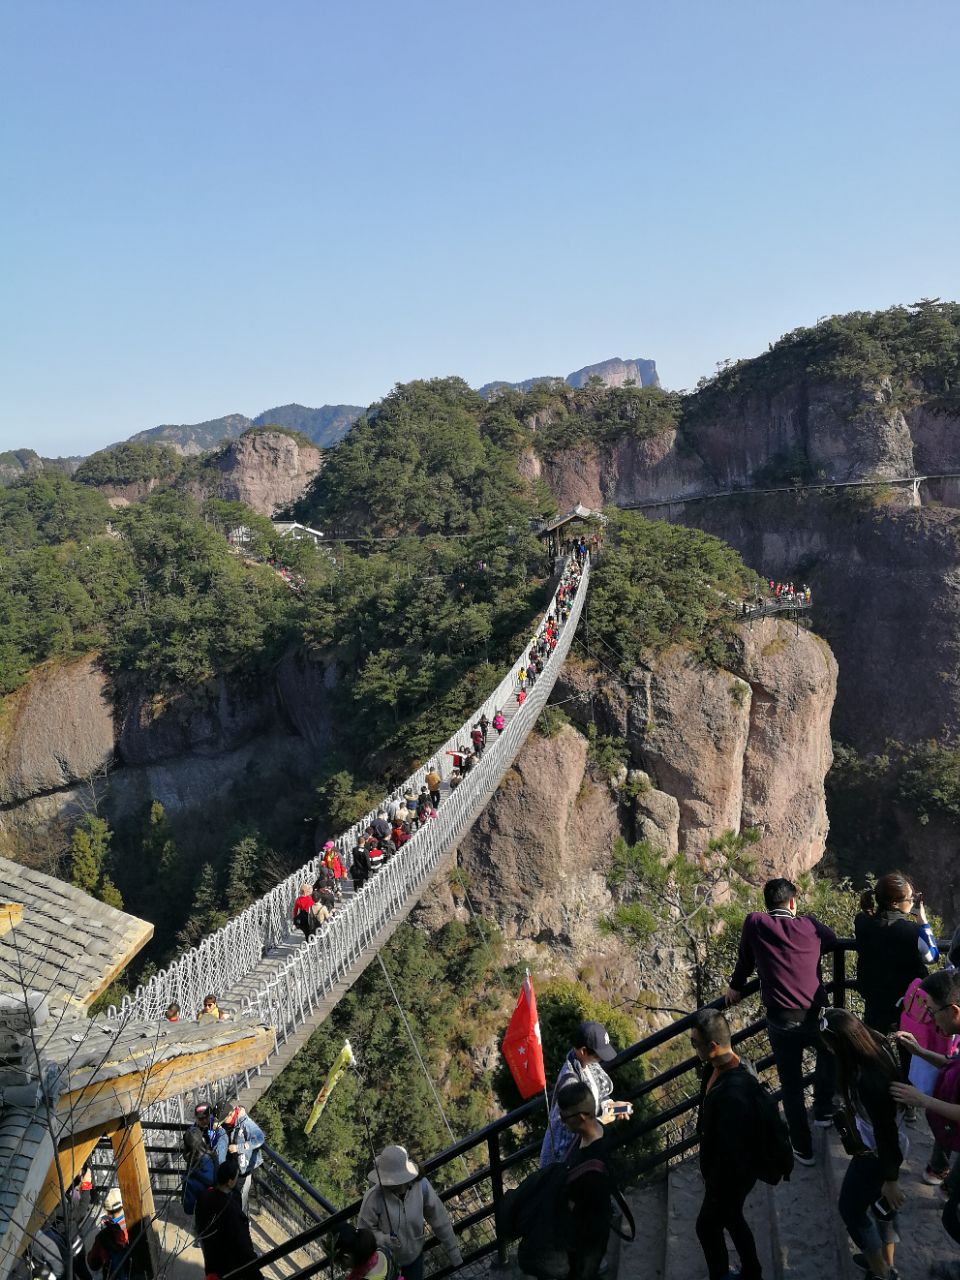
x: 894, y: 946
x: 870, y: 1195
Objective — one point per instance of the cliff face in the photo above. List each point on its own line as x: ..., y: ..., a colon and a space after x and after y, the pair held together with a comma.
x: 886, y: 578
x: 56, y: 730
x: 829, y: 432
x: 884, y: 564
x: 64, y: 745
x: 267, y: 470
x: 623, y: 473
x: 720, y: 750
x: 840, y: 432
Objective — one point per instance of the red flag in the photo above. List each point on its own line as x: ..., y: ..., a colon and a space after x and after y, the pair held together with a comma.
x: 521, y: 1045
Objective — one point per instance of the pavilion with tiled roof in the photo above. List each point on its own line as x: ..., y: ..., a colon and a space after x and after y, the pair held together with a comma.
x: 68, y: 1080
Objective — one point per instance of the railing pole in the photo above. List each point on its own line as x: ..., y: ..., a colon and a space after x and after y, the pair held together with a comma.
x: 840, y: 977
x: 496, y: 1187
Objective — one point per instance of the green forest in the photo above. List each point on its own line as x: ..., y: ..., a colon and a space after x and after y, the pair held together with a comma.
x: 429, y: 585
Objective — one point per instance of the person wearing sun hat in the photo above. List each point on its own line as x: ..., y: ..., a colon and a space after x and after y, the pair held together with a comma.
x: 397, y: 1208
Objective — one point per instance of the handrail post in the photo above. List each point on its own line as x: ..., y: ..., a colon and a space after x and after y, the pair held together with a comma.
x: 496, y: 1188
x: 840, y: 977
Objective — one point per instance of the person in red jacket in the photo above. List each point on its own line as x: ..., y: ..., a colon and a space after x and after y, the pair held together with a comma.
x: 332, y: 861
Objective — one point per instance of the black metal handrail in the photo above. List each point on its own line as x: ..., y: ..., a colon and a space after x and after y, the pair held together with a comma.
x: 498, y: 1161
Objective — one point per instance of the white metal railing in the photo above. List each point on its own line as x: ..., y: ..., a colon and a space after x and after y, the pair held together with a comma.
x: 287, y: 995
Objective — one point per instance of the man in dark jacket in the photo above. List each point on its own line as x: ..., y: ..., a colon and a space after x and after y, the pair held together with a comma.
x: 360, y: 868
x: 785, y: 950
x: 222, y: 1226
x: 724, y: 1122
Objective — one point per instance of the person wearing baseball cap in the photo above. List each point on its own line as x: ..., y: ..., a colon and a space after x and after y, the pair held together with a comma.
x: 591, y: 1046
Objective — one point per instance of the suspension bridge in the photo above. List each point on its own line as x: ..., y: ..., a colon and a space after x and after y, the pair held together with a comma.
x: 261, y: 967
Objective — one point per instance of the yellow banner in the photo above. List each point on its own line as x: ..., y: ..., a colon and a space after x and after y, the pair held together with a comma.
x: 344, y: 1059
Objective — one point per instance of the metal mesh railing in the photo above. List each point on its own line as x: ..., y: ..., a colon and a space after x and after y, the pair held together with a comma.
x: 286, y: 996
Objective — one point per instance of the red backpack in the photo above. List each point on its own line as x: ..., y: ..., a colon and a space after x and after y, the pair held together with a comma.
x: 947, y: 1089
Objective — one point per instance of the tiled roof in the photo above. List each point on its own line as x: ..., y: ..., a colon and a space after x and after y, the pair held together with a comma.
x: 68, y: 945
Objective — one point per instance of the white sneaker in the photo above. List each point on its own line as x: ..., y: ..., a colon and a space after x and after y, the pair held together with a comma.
x: 808, y: 1161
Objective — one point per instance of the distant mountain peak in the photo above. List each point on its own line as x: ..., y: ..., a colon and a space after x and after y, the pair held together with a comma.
x: 614, y: 372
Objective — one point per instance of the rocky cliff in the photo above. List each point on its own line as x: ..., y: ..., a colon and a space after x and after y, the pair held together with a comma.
x: 705, y: 751
x: 886, y: 578
x: 612, y: 373
x: 65, y: 747
x: 267, y: 470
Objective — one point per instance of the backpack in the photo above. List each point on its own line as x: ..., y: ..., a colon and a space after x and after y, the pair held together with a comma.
x: 947, y: 1089
x: 769, y: 1148
x: 536, y: 1214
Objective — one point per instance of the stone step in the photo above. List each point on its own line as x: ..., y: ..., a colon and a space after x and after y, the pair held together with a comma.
x: 805, y: 1224
x: 643, y: 1258
x: 924, y: 1241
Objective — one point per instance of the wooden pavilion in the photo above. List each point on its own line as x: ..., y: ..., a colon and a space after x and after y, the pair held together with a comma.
x: 68, y: 1080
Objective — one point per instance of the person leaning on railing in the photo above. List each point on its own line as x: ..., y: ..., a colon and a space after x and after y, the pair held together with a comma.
x: 785, y: 950
x: 893, y: 949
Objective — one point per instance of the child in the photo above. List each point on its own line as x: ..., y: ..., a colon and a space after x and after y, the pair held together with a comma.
x: 358, y: 1250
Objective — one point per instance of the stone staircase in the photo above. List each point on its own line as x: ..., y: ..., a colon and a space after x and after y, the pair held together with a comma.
x: 796, y: 1225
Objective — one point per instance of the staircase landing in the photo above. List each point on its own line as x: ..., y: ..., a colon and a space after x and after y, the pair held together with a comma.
x: 796, y: 1225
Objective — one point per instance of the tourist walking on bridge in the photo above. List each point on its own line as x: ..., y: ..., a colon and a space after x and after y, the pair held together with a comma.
x: 397, y: 1208
x: 433, y: 785
x: 785, y: 951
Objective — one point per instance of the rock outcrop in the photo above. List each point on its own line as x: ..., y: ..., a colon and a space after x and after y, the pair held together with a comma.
x: 612, y: 373
x: 623, y: 473
x: 64, y: 746
x: 713, y: 751
x: 886, y: 581
x: 56, y: 730
x: 535, y: 862
x: 267, y: 470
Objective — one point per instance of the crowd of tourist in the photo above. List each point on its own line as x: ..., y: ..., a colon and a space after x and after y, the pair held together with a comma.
x: 783, y: 595
x: 869, y: 1071
x: 406, y: 812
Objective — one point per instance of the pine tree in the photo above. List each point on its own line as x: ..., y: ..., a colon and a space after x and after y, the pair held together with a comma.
x: 88, y: 850
x: 242, y: 872
x: 205, y: 913
x: 110, y: 894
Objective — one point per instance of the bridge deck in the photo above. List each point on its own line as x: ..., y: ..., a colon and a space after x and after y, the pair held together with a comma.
x: 260, y: 966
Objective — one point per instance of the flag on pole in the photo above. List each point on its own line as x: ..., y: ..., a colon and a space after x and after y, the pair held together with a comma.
x: 343, y: 1060
x: 521, y: 1045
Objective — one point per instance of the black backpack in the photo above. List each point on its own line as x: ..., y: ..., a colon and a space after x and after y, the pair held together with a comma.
x: 536, y: 1214
x: 771, y: 1151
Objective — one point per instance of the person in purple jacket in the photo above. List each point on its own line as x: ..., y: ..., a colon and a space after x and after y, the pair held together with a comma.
x: 785, y: 950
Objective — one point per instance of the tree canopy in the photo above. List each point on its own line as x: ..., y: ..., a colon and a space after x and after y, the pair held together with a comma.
x: 659, y: 584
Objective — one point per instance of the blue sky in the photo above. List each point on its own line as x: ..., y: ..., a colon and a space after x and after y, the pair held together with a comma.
x: 220, y: 207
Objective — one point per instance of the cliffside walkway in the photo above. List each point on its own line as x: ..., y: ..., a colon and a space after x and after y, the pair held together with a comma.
x: 260, y: 966
x: 815, y: 486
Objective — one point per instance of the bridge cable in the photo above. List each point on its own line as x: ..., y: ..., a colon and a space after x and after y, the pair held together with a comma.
x: 426, y: 1072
